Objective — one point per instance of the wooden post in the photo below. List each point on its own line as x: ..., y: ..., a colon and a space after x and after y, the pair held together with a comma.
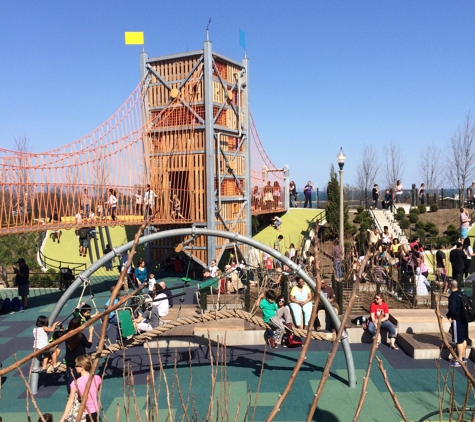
x: 247, y: 296
x: 432, y: 294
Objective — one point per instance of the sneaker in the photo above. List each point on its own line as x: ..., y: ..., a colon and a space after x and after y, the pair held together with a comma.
x: 454, y: 364
x: 271, y: 342
x: 464, y: 360
x: 289, y: 325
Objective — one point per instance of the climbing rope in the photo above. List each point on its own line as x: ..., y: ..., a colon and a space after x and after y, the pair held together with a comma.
x: 215, y: 316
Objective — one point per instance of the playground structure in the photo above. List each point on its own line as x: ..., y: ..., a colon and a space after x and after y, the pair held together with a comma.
x: 194, y: 234
x: 186, y: 130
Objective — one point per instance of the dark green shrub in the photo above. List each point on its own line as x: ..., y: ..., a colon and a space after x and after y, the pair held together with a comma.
x: 359, y: 209
x: 404, y: 223
x: 451, y: 231
x: 401, y: 211
x: 414, y: 211
x: 421, y: 233
x: 350, y: 229
x: 413, y: 218
x: 359, y: 218
x: 420, y: 225
x: 365, y: 225
x: 422, y: 208
x: 432, y: 229
x: 434, y: 208
x: 48, y: 279
x: 443, y: 241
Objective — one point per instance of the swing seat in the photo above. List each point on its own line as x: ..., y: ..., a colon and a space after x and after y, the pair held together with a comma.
x: 126, y: 323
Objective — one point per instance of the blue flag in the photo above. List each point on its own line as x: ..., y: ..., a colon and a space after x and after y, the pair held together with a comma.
x: 242, y: 39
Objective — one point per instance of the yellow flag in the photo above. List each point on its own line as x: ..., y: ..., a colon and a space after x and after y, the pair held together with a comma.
x: 134, y: 37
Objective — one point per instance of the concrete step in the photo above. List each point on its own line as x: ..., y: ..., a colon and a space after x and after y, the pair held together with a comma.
x: 417, y: 320
x: 231, y: 301
x: 427, y: 345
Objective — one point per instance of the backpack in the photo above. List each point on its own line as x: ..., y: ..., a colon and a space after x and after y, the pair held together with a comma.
x: 292, y: 340
x: 467, y: 313
x: 83, y: 233
x: 6, y: 305
x: 15, y: 304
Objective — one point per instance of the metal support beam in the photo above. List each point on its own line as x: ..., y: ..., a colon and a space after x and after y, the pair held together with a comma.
x: 226, y: 235
x: 209, y: 145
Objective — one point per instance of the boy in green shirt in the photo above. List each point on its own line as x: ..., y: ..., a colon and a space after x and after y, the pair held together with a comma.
x: 83, y: 313
x: 273, y: 315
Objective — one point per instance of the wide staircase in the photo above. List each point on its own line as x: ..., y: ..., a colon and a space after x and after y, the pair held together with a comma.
x: 386, y: 218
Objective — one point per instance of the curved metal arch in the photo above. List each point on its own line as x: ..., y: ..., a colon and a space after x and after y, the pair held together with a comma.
x: 193, y: 231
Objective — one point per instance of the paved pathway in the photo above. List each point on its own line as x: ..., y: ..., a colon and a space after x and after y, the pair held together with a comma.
x: 415, y: 382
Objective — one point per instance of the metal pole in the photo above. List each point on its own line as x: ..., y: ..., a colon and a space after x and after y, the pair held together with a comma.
x: 227, y: 235
x: 342, y: 222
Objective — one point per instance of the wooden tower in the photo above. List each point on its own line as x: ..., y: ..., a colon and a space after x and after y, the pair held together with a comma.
x: 197, y: 144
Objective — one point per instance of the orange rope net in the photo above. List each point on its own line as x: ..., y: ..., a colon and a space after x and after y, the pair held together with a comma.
x: 67, y: 185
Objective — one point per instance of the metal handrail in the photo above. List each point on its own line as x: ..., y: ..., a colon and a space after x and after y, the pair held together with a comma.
x: 305, y: 236
x: 75, y: 266
x: 375, y: 220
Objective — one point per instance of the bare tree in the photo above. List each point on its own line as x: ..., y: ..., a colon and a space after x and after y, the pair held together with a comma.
x: 367, y: 170
x: 394, y: 164
x: 22, y: 176
x: 462, y: 150
x: 429, y: 169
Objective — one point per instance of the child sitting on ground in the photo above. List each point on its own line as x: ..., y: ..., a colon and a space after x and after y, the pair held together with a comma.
x: 40, y: 335
x: 276, y: 223
x: 272, y: 315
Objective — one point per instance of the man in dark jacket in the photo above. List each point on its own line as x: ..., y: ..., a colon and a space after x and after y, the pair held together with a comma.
x: 458, y: 325
x: 457, y: 259
x: 23, y: 281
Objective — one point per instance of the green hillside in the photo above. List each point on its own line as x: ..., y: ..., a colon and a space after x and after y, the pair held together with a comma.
x: 294, y: 225
x: 68, y: 248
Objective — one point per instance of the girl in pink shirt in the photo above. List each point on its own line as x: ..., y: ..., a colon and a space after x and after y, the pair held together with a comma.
x: 83, y: 367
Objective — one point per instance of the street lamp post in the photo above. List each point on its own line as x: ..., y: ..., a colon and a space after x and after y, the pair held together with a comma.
x: 341, y: 162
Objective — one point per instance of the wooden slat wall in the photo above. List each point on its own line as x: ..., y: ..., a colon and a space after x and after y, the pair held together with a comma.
x: 178, y: 141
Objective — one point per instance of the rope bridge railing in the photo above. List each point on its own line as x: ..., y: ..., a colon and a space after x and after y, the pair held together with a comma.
x: 55, y: 186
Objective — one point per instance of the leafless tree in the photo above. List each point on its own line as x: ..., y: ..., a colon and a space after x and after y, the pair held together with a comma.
x: 461, y: 167
x: 393, y: 164
x: 22, y: 177
x: 367, y: 170
x: 430, y: 166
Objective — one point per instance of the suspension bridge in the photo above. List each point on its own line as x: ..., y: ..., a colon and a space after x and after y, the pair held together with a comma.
x: 186, y: 130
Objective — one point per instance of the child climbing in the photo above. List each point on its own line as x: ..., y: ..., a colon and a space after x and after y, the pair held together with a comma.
x: 40, y: 335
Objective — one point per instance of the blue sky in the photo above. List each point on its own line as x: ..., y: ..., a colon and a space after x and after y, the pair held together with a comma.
x: 323, y: 74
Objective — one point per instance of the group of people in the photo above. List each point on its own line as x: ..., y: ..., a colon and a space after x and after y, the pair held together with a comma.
x: 144, y: 205
x: 268, y: 197
x: 282, y: 315
x: 394, y: 196
x: 78, y: 363
x: 229, y: 280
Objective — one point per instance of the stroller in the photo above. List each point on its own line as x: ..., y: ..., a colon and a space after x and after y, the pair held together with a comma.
x: 66, y: 278
x: 127, y: 327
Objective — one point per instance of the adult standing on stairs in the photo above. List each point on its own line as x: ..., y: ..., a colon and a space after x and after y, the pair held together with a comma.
x: 399, y: 190
x: 375, y: 194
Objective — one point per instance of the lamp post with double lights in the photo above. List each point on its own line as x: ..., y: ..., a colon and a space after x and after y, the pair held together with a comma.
x: 341, y: 162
